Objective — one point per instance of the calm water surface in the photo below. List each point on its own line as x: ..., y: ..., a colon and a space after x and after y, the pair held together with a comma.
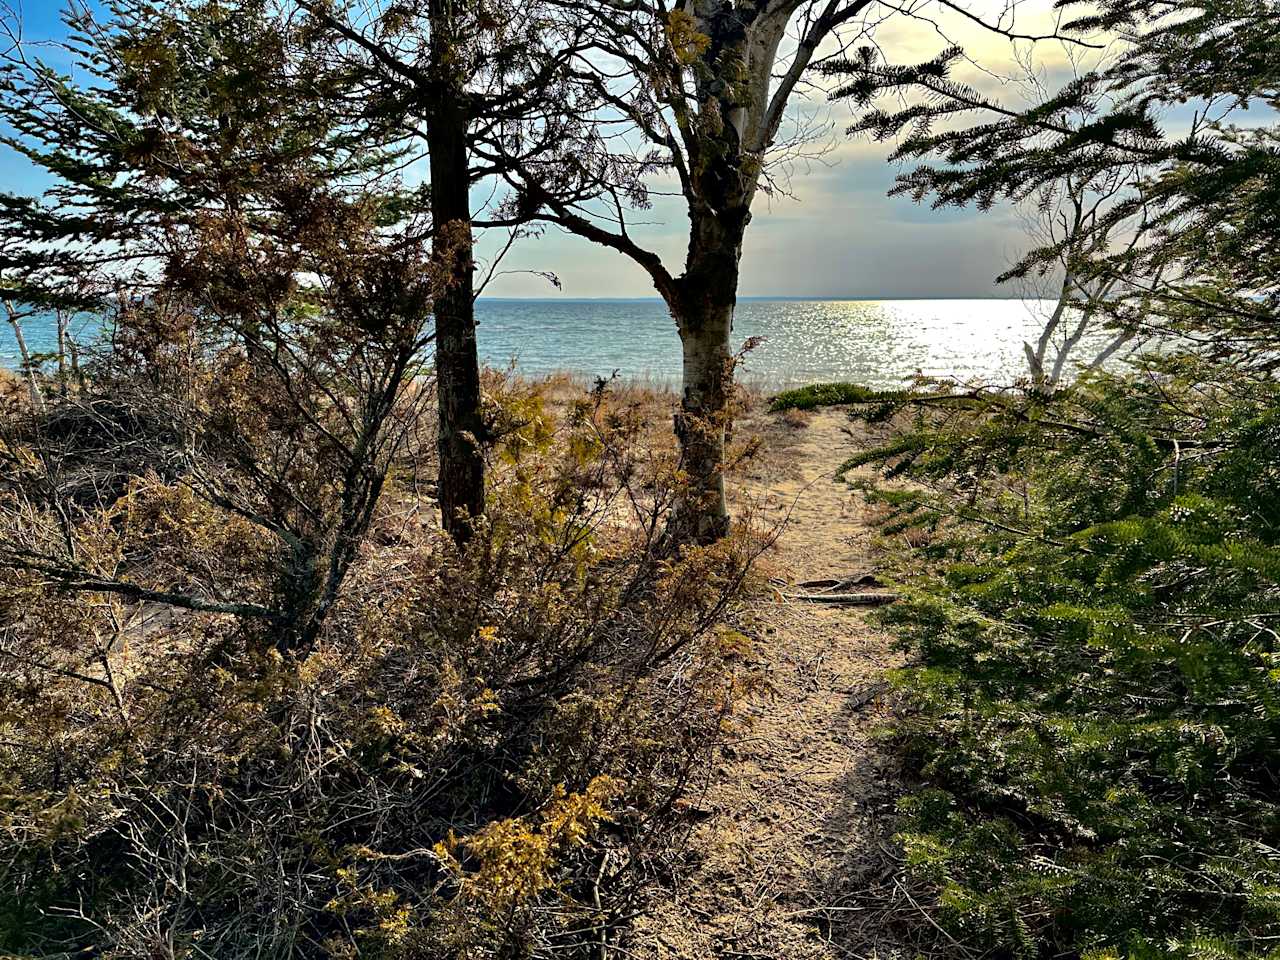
x: 876, y: 342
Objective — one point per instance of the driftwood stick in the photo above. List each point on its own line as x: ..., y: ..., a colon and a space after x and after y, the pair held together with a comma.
x: 828, y: 585
x: 844, y: 599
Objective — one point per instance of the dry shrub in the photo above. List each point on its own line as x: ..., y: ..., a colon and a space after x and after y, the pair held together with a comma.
x: 482, y: 756
x: 797, y: 419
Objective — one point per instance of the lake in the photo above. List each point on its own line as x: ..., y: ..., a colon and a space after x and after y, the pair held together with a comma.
x: 875, y: 342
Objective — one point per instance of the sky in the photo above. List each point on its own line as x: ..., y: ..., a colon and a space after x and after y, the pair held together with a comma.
x: 836, y: 234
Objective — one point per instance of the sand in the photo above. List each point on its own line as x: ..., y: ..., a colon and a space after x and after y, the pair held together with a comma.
x: 799, y: 810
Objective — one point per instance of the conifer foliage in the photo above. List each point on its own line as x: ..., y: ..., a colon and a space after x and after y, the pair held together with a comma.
x: 1093, y: 710
x: 1178, y: 105
x: 1091, y: 576
x: 256, y: 705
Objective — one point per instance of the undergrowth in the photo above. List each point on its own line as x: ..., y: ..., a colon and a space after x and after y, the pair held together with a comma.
x: 481, y: 756
x: 1092, y: 600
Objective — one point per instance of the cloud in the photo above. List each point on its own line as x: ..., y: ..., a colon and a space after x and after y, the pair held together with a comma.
x: 833, y: 231
x: 846, y: 243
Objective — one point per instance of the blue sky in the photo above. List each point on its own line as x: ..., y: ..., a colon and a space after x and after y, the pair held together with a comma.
x: 836, y: 235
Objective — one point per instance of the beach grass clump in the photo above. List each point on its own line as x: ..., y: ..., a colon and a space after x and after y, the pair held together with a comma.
x: 831, y: 395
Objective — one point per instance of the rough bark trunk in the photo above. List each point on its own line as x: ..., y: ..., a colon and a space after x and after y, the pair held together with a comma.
x: 704, y: 313
x: 701, y: 424
x: 461, y: 476
x: 298, y: 627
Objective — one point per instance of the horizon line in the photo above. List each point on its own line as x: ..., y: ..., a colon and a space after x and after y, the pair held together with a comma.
x: 835, y: 298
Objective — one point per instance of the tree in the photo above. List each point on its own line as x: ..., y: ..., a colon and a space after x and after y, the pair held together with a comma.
x: 252, y: 710
x: 1092, y: 713
x: 15, y: 315
x: 705, y: 87
x: 1072, y: 219
x: 267, y: 327
x: 34, y: 304
x: 1207, y: 193
x: 454, y: 76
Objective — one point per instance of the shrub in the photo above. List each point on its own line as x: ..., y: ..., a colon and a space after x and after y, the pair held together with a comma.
x: 817, y: 395
x: 481, y: 756
x: 1094, y: 709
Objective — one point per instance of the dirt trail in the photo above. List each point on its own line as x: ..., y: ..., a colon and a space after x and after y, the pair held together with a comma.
x: 798, y: 807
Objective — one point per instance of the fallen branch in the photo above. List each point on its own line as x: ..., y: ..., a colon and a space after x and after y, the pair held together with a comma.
x: 844, y: 599
x: 829, y: 585
x: 861, y: 697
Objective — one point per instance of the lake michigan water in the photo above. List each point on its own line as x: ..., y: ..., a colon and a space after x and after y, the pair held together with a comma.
x: 875, y: 342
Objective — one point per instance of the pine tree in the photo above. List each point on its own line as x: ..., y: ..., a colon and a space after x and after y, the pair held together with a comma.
x: 1214, y: 187
x: 265, y: 329
x: 472, y: 88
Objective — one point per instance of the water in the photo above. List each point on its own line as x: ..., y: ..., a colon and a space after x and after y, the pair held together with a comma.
x: 875, y: 342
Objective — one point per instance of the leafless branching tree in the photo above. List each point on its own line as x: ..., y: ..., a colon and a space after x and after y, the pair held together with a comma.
x: 1090, y: 223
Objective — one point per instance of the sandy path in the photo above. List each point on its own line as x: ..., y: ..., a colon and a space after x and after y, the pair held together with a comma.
x: 798, y: 807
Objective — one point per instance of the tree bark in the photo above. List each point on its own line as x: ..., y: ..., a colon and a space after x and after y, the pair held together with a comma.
x: 461, y: 476
x: 63, y: 319
x: 707, y: 296
x: 701, y: 424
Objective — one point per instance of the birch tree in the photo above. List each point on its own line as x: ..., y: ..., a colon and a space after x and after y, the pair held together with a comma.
x: 15, y: 315
x: 1072, y: 218
x: 705, y: 86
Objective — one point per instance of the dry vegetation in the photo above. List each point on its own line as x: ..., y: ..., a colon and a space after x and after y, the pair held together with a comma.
x: 485, y: 753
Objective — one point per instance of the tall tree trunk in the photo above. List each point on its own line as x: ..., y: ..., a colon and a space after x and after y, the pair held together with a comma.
x: 63, y: 318
x: 461, y: 478
x: 704, y: 313
x: 701, y: 424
